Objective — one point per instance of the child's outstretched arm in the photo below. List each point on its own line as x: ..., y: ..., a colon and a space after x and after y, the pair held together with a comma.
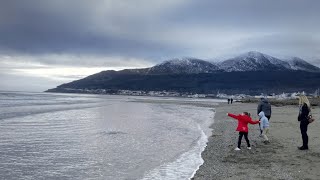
x: 253, y: 122
x: 233, y: 116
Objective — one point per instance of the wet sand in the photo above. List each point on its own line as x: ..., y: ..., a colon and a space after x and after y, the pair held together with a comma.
x: 278, y: 160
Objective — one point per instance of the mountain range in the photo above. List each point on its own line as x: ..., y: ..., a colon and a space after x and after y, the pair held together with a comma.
x: 250, y: 61
x: 252, y: 72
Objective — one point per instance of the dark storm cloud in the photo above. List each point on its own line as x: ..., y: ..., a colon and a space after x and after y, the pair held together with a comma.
x: 158, y: 29
x: 41, y: 27
x: 139, y: 29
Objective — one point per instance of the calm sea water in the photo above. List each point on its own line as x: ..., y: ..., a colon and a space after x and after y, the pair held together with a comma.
x: 69, y: 136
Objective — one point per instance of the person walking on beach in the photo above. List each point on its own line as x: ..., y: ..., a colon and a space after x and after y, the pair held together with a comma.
x: 264, y: 106
x: 243, y: 120
x: 228, y: 101
x: 303, y: 117
x: 231, y: 100
x: 264, y: 126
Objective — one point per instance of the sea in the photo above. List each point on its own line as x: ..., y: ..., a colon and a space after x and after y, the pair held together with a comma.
x: 81, y: 136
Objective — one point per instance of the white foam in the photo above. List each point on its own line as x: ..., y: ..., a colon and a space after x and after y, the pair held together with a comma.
x: 185, y: 166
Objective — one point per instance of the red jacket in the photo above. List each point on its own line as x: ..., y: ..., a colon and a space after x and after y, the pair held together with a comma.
x: 243, y: 121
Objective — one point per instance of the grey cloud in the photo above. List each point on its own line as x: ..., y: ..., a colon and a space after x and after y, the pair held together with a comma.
x: 248, y: 14
x: 39, y: 27
x: 155, y: 30
x: 286, y: 45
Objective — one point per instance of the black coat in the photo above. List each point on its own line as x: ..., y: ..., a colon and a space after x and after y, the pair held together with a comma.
x: 264, y: 106
x: 304, y: 113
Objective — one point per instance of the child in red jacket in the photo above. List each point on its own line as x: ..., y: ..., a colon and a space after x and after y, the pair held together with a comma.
x: 243, y: 120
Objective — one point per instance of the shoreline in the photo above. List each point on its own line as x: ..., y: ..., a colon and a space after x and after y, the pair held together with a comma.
x: 185, y: 168
x: 278, y: 160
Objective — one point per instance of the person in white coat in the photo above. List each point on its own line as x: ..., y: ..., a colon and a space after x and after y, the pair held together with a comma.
x: 264, y: 126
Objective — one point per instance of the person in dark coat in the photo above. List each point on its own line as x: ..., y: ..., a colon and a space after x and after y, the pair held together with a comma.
x: 231, y: 100
x: 228, y: 100
x: 304, y: 110
x: 264, y: 106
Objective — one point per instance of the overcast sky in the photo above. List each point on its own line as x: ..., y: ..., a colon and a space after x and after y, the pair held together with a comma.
x: 44, y: 43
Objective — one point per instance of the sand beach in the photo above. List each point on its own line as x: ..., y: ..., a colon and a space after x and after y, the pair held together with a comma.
x: 280, y: 159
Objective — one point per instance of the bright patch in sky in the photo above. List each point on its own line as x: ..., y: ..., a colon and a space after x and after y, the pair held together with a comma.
x: 22, y: 73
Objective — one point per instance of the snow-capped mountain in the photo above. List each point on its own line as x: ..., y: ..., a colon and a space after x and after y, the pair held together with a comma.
x: 250, y: 61
x: 254, y: 61
x: 258, y: 68
x: 183, y: 66
x: 300, y: 64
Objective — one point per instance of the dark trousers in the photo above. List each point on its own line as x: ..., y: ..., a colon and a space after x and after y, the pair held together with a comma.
x: 304, y: 129
x: 245, y: 134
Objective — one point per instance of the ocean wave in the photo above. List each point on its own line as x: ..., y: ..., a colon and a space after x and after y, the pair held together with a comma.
x: 102, y: 133
x: 184, y: 167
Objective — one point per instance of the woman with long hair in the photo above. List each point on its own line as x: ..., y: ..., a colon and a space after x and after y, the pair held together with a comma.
x: 304, y: 110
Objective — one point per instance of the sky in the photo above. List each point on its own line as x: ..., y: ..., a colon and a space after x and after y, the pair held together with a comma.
x: 44, y: 43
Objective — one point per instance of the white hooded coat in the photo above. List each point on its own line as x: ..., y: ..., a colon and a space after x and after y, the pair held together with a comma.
x: 264, y: 122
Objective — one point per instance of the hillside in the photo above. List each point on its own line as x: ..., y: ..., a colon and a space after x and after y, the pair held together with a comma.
x: 251, y: 73
x: 253, y: 82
